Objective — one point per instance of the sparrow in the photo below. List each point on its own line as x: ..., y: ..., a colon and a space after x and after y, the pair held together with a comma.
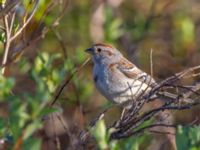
x: 115, y: 77
x: 122, y: 82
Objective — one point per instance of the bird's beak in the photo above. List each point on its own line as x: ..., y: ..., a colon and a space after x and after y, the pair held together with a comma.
x: 90, y: 50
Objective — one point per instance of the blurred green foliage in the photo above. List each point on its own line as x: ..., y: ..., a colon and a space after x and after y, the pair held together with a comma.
x: 188, y: 138
x: 113, y: 26
x: 27, y: 109
x: 101, y: 135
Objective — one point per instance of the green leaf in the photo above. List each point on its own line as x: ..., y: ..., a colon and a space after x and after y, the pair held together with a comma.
x: 2, y: 37
x: 2, y: 126
x: 188, y: 138
x: 112, y: 26
x: 31, y: 128
x: 182, y: 140
x: 32, y: 144
x: 194, y: 135
x: 47, y: 111
x: 99, y: 132
x: 6, y: 85
x: 187, y: 27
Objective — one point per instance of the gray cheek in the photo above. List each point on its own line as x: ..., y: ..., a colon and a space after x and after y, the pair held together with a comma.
x: 96, y: 59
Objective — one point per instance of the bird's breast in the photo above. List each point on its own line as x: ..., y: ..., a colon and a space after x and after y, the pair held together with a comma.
x: 110, y: 86
x: 102, y: 81
x: 116, y: 87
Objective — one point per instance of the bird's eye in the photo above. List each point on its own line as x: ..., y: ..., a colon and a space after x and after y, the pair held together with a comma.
x: 99, y: 50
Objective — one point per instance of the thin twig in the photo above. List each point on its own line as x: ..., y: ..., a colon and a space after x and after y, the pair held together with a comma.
x: 151, y: 62
x: 139, y: 131
x: 7, y: 44
x: 8, y: 8
x: 66, y: 82
x: 27, y: 22
x: 12, y: 22
x: 61, y: 42
x: 162, y: 132
x: 39, y: 36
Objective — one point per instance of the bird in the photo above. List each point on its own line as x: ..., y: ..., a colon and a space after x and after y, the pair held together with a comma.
x: 122, y: 82
x: 116, y: 78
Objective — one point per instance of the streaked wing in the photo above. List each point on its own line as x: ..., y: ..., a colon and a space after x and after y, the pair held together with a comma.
x: 131, y: 71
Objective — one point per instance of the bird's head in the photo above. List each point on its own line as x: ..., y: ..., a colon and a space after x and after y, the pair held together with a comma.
x: 104, y: 53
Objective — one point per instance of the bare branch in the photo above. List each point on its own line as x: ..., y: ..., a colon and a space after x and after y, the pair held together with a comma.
x: 151, y: 62
x: 61, y: 42
x: 8, y: 8
x: 26, y: 23
x: 66, y: 82
x: 7, y: 44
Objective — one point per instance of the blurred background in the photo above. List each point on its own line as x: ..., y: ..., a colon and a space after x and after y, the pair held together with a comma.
x: 50, y: 48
